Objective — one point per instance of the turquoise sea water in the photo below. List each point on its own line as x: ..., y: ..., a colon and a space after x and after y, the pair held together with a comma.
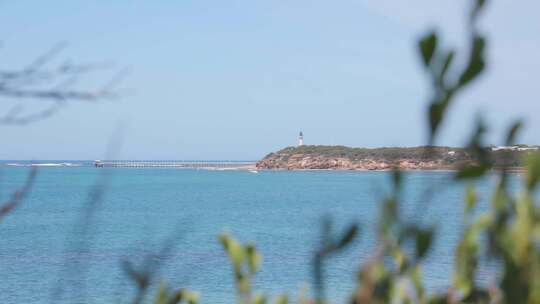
x: 48, y: 256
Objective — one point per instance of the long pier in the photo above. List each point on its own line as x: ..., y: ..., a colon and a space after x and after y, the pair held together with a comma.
x: 185, y: 164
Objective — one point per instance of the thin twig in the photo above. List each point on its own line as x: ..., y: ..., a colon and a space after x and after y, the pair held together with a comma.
x: 18, y: 196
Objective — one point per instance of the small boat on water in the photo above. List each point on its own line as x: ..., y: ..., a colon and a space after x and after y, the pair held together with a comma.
x: 254, y: 171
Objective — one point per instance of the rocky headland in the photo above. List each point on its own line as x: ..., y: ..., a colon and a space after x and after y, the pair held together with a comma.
x: 414, y: 158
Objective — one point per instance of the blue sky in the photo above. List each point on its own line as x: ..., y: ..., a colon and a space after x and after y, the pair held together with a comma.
x: 238, y: 79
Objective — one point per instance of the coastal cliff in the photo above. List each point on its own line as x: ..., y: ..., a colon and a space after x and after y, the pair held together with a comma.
x: 414, y: 158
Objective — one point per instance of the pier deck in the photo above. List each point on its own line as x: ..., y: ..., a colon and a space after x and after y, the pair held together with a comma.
x: 223, y: 164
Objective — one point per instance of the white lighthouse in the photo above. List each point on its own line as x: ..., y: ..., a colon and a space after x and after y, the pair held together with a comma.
x: 300, y: 139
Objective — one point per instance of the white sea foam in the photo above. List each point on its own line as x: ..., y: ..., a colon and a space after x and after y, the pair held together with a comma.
x: 71, y: 165
x: 43, y: 165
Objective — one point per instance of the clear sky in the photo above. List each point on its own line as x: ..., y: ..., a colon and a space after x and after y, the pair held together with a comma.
x: 238, y: 79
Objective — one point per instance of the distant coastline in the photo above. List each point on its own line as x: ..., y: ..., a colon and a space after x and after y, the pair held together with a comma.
x: 384, y: 159
x: 326, y: 158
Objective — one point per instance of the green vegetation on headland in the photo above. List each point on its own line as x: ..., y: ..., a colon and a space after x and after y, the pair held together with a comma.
x: 406, y: 158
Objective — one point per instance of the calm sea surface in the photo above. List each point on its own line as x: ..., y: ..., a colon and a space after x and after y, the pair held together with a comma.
x: 58, y: 248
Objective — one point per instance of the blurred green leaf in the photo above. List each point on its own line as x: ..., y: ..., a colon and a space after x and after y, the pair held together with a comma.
x: 512, y: 284
x: 388, y: 216
x: 190, y: 297
x: 400, y: 258
x: 514, y: 129
x: 439, y: 299
x: 259, y: 299
x: 349, y: 235
x: 396, y: 178
x: 141, y: 278
x: 234, y: 249
x: 478, y: 6
x: 427, y: 47
x: 470, y: 198
x: 476, y: 62
x: 177, y: 297
x: 533, y: 170
x: 449, y: 58
x: 162, y: 294
x: 467, y: 256
x: 499, y: 200
x: 416, y: 277
x: 282, y: 299
x: 254, y: 258
x: 424, y: 238
x: 471, y: 172
x: 243, y: 284
x: 436, y: 113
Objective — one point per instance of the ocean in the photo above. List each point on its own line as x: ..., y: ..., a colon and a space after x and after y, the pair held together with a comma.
x: 61, y: 245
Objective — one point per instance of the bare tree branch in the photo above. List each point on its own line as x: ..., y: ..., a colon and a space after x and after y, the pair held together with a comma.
x: 55, y: 95
x: 12, y: 117
x: 53, y: 86
x: 17, y: 196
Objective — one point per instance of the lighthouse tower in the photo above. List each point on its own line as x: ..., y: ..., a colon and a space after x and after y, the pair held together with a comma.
x: 300, y: 139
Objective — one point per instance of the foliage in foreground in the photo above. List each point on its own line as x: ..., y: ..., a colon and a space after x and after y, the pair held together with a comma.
x: 508, y: 233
